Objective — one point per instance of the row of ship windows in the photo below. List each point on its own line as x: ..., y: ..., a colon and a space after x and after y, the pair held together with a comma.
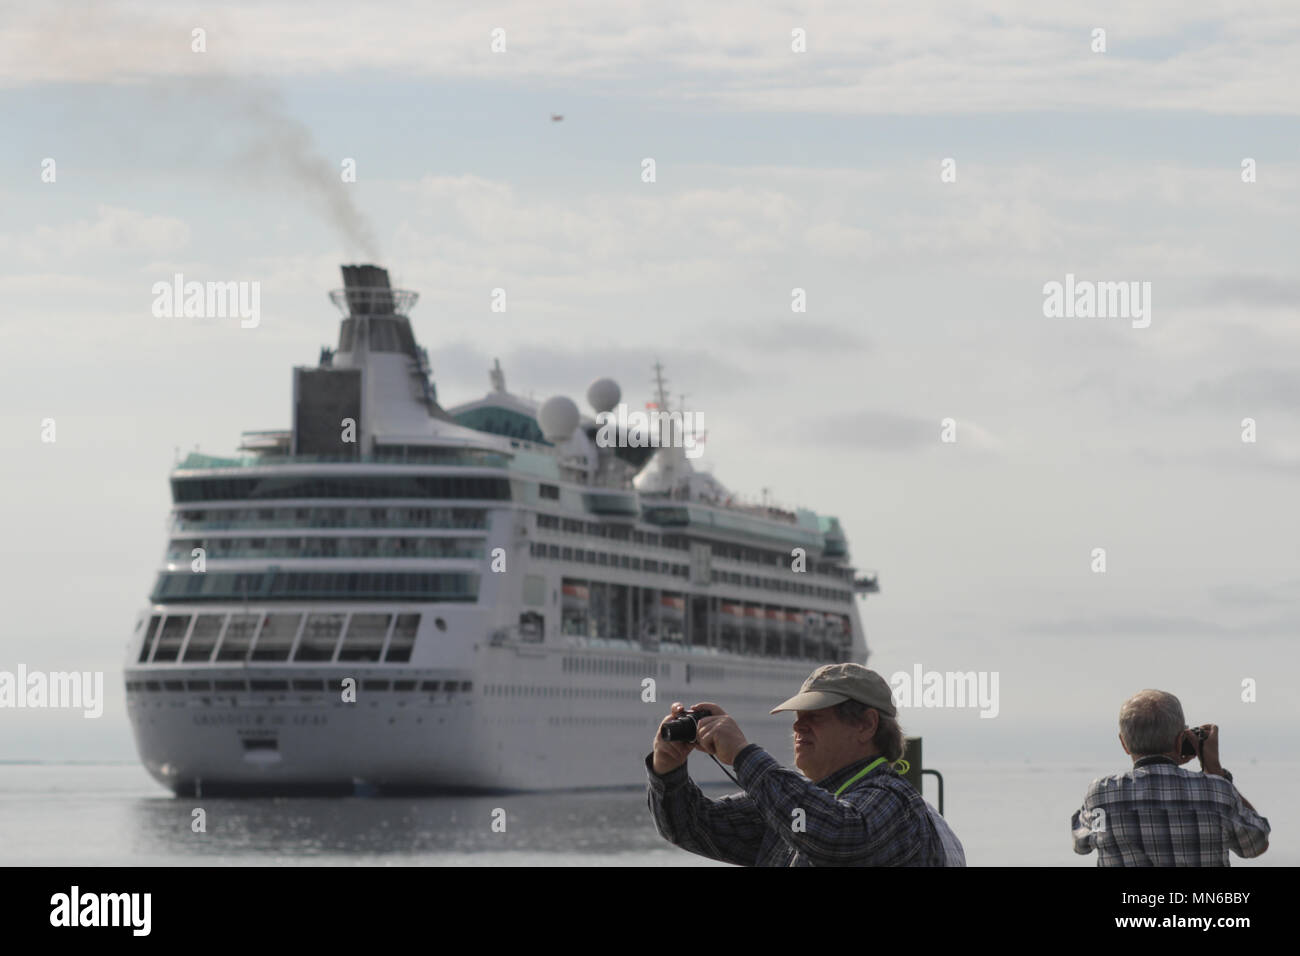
x: 719, y: 549
x: 756, y: 644
x: 314, y: 547
x: 603, y: 558
x: 210, y: 519
x: 269, y: 487
x: 782, y: 584
x: 215, y: 519
x: 600, y: 558
x: 694, y: 671
x: 437, y: 455
x: 428, y: 686
x: 278, y: 585
x: 220, y: 638
x: 746, y: 674
x: 614, y: 666
x: 615, y: 532
x: 320, y: 686
x: 632, y: 691
x: 191, y: 519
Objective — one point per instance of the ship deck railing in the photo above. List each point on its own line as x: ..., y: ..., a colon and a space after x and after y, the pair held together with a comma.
x: 475, y: 459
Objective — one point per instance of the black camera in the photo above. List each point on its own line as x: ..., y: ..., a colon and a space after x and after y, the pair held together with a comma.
x: 682, y: 729
x: 1190, y: 749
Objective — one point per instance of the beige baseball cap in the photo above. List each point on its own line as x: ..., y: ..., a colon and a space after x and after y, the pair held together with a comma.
x: 833, y: 684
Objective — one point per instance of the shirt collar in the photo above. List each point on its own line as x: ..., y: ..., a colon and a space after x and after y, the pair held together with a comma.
x: 832, y: 783
x: 1153, y: 760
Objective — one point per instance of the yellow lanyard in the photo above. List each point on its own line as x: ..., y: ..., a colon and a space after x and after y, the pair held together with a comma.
x: 860, y: 774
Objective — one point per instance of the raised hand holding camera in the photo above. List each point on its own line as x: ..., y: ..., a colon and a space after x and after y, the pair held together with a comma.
x: 1192, y: 742
x: 682, y: 726
x: 705, y: 727
x: 670, y: 752
x: 1208, y: 750
x: 718, y: 734
x: 1203, y: 743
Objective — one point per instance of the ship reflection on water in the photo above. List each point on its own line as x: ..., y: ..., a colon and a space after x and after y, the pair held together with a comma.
x: 559, y: 828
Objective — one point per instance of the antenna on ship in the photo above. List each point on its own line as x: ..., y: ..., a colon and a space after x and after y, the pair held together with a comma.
x: 661, y: 400
x: 661, y: 396
x: 497, y: 376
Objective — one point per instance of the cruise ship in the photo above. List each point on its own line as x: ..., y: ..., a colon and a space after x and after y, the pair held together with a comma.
x: 393, y: 596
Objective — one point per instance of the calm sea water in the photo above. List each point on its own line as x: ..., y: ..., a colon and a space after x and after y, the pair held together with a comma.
x: 114, y: 814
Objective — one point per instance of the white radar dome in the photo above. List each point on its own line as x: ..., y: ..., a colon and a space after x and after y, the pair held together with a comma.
x: 603, y: 394
x: 558, y: 417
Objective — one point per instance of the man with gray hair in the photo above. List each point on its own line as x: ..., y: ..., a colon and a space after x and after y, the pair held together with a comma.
x: 1158, y: 814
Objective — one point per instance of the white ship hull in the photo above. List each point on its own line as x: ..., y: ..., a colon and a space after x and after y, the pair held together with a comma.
x: 514, y: 730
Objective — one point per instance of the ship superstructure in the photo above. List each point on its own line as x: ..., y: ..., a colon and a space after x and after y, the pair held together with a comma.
x: 391, y: 595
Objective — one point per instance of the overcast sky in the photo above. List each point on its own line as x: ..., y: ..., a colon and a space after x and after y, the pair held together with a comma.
x: 775, y: 170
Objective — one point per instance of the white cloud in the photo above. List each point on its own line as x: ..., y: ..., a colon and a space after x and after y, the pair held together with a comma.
x: 927, y: 56
x: 113, y: 231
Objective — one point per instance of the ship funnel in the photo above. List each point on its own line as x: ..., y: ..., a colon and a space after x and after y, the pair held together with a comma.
x: 366, y: 291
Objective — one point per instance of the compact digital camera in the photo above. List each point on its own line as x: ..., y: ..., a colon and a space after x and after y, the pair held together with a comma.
x: 682, y: 729
x: 1190, y: 749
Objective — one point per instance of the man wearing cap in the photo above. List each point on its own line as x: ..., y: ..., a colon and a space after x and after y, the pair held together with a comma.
x: 848, y: 807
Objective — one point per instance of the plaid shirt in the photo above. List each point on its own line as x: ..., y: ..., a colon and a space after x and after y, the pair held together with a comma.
x: 1159, y: 814
x: 880, y: 821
